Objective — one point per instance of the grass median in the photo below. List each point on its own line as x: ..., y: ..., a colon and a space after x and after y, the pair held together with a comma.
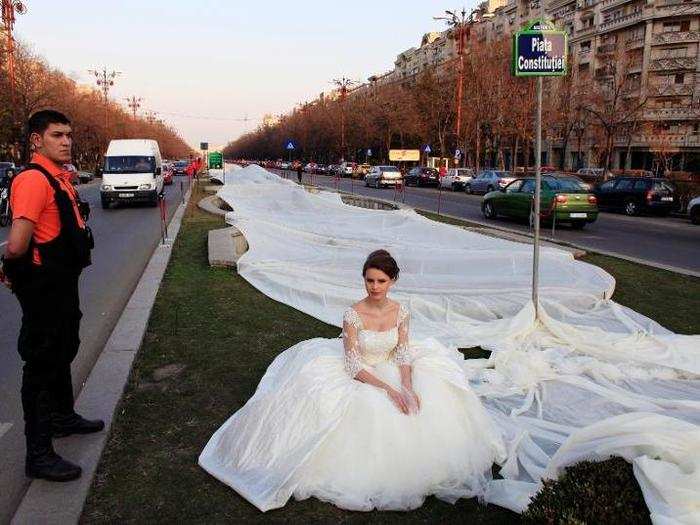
x: 210, y: 338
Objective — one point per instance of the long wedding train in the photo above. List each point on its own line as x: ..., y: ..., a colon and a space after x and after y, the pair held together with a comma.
x: 590, y: 379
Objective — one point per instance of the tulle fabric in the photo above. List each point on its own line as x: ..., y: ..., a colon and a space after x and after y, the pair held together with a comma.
x: 311, y: 430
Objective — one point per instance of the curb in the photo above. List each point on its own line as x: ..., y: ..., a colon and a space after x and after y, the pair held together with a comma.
x: 61, y: 503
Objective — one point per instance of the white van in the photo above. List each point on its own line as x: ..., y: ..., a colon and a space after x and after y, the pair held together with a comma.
x: 132, y: 172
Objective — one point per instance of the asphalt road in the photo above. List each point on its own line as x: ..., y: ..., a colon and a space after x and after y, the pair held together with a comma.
x: 125, y: 238
x: 668, y: 241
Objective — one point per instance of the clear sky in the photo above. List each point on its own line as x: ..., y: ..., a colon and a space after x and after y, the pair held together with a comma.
x: 226, y: 59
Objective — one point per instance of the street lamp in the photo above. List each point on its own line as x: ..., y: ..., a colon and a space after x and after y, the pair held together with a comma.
x: 134, y: 103
x: 461, y: 23
x: 105, y: 81
x: 343, y: 85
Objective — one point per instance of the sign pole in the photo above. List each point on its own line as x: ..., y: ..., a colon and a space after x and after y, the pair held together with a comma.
x: 538, y: 184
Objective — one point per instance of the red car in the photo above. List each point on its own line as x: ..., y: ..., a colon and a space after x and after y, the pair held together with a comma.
x: 167, y: 176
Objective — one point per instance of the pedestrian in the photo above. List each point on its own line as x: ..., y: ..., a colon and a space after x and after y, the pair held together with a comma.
x: 300, y: 172
x: 48, y: 246
x: 443, y: 171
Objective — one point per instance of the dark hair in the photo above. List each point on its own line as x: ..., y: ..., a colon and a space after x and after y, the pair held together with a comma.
x: 383, y: 261
x: 41, y: 120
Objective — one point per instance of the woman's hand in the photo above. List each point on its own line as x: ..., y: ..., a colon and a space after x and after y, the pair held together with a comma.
x: 399, y: 400
x: 412, y: 400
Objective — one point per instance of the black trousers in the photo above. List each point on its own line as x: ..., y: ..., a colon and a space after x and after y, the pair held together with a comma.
x: 48, y: 343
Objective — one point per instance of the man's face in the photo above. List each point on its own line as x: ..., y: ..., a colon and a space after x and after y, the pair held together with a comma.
x: 54, y: 143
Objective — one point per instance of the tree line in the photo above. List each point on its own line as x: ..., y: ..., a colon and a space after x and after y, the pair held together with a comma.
x: 94, y: 121
x: 593, y: 108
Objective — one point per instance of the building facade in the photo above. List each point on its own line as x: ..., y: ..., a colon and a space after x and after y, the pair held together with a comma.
x: 651, y: 46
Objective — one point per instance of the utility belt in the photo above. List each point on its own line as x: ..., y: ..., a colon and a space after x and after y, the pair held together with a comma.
x: 68, y: 253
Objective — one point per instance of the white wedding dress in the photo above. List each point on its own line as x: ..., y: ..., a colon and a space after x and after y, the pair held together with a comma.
x: 310, y: 429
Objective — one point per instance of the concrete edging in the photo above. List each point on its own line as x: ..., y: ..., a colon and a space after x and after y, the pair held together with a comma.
x: 61, y: 503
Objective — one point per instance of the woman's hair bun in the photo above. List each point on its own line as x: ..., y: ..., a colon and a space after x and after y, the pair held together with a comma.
x: 383, y: 261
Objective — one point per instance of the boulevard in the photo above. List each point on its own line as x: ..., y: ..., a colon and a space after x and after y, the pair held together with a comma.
x: 666, y: 241
x: 125, y: 238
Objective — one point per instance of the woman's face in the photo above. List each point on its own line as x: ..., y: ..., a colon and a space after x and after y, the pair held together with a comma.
x: 377, y: 283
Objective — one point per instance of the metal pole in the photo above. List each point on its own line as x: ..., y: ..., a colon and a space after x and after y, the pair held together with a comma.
x: 538, y: 183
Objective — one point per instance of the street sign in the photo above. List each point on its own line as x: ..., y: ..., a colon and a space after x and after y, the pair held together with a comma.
x: 458, y: 153
x: 290, y: 145
x: 427, y: 149
x: 215, y: 160
x: 404, y: 154
x: 369, y: 152
x: 539, y: 50
x: 204, y: 146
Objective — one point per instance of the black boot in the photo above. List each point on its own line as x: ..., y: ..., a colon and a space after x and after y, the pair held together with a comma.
x: 43, y: 462
x: 63, y: 425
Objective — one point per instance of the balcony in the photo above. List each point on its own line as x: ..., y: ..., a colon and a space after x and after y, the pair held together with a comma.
x: 677, y: 8
x: 584, y: 55
x: 671, y: 90
x: 622, y: 21
x: 635, y: 43
x: 675, y: 37
x: 609, y: 4
x: 682, y: 113
x: 678, y: 140
x: 586, y: 31
x: 673, y: 64
x: 607, y: 49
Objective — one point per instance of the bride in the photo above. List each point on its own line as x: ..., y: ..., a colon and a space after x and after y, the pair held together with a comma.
x: 372, y: 421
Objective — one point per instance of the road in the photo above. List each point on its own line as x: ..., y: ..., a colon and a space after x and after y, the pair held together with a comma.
x: 125, y: 239
x: 668, y: 241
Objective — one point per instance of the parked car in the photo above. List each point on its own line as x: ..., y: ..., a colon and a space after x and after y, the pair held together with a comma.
x: 383, y: 176
x: 488, y: 180
x: 421, y: 176
x: 456, y: 178
x: 694, y: 210
x: 594, y: 173
x: 310, y: 167
x: 85, y: 176
x: 346, y: 169
x: 635, y: 195
x: 565, y: 197
x: 361, y: 170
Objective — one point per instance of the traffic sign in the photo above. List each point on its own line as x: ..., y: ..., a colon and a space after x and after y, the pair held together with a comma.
x: 369, y: 152
x: 216, y: 160
x: 427, y: 149
x: 539, y: 50
x: 204, y: 146
x: 458, y: 153
x: 290, y: 145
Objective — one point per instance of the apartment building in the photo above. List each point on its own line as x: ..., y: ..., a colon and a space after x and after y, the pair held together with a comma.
x: 652, y: 44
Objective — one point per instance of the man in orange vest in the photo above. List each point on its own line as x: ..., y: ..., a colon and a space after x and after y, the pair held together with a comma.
x: 48, y: 246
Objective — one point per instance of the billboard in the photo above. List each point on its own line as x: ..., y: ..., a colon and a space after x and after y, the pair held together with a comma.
x: 404, y: 155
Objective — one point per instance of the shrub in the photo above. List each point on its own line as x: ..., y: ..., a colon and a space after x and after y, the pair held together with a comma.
x: 590, y: 493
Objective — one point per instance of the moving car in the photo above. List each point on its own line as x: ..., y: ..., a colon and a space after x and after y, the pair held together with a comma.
x: 565, y: 197
x: 421, y: 176
x: 635, y: 195
x: 488, y: 180
x: 383, y: 176
x: 456, y: 178
x: 694, y: 210
x: 180, y: 167
x: 132, y: 172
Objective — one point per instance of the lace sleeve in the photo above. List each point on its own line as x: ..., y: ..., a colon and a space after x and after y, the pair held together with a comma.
x: 351, y: 326
x: 402, y: 354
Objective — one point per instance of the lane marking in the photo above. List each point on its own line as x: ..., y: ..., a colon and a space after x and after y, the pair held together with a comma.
x: 4, y: 427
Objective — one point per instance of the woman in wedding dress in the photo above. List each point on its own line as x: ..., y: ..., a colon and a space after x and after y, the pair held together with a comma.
x: 370, y: 421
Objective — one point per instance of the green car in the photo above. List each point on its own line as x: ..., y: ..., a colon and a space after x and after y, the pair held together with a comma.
x: 566, y: 197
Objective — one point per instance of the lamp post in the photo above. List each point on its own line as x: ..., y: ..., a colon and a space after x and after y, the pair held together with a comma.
x: 343, y: 85
x: 9, y: 8
x: 134, y: 104
x: 105, y: 81
x: 461, y: 23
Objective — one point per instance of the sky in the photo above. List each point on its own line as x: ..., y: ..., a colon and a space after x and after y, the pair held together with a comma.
x: 205, y: 65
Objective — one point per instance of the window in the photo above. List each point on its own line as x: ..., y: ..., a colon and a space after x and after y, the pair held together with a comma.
x: 607, y: 186
x: 640, y: 185
x: 679, y: 78
x: 585, y: 46
x: 624, y: 185
x: 685, y: 25
x: 514, y: 186
x: 672, y: 26
x: 528, y: 186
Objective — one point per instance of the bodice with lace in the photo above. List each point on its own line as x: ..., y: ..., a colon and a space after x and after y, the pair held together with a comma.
x: 369, y: 347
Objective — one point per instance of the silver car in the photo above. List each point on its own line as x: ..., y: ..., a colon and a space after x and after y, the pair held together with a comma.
x: 383, y: 176
x: 457, y: 178
x: 489, y: 180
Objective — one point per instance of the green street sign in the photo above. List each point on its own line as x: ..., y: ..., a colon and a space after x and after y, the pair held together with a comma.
x: 539, y: 50
x: 215, y: 160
